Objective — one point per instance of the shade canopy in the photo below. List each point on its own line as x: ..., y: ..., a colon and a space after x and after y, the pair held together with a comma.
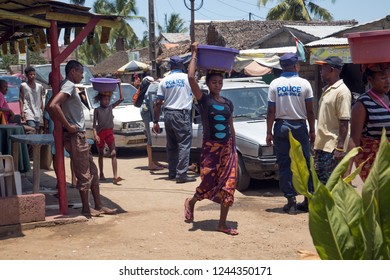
x: 133, y: 66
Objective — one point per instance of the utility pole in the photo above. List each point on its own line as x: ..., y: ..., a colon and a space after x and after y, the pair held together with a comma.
x: 152, y: 39
x: 193, y: 9
x: 192, y: 27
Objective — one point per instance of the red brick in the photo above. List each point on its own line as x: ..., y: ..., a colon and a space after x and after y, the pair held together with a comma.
x: 22, y: 209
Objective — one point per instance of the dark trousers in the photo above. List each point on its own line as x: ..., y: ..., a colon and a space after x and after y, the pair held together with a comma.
x: 178, y: 128
x: 282, y: 148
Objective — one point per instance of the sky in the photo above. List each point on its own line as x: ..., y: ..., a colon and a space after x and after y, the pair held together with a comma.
x: 359, y: 10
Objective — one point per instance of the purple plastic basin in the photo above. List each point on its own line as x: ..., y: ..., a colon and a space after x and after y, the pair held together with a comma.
x: 216, y: 58
x: 104, y: 84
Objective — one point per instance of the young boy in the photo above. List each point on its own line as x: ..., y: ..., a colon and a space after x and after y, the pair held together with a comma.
x: 103, y: 129
x: 31, y: 100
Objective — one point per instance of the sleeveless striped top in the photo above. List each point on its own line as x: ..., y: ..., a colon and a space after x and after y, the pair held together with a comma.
x: 377, y: 117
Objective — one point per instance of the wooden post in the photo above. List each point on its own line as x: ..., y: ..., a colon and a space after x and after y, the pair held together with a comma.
x: 58, y: 134
x: 192, y: 27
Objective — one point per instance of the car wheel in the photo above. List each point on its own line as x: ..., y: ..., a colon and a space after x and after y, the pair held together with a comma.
x: 243, y: 178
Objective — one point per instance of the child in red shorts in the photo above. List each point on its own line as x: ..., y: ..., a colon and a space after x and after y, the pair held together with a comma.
x: 103, y: 129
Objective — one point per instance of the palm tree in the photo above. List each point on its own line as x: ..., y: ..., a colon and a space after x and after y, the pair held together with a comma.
x: 297, y: 10
x: 175, y: 24
x: 124, y: 36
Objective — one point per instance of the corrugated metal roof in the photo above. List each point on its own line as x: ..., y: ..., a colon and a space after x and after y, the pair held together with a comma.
x: 176, y: 37
x: 252, y: 52
x: 331, y: 41
x: 319, y: 31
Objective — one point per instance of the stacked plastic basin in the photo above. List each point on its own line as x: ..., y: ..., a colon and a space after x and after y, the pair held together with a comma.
x: 369, y: 46
x: 216, y: 58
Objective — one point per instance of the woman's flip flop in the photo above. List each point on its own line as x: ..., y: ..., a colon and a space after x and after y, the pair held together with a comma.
x: 229, y: 231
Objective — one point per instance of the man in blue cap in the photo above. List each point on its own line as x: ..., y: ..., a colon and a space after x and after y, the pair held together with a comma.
x: 175, y: 92
x: 290, y: 104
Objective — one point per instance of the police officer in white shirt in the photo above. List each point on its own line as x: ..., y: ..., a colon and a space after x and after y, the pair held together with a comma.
x: 175, y: 92
x: 290, y: 104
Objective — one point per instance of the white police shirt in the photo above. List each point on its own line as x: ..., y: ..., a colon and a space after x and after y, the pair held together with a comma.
x: 175, y: 90
x: 289, y: 93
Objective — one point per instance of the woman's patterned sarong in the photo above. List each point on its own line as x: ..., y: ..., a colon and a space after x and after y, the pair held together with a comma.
x: 218, y: 171
x: 370, y: 147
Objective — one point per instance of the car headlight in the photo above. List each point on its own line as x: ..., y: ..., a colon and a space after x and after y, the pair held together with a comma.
x: 139, y: 125
x: 266, y: 150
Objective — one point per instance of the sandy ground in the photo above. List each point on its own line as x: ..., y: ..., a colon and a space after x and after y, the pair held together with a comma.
x: 150, y: 224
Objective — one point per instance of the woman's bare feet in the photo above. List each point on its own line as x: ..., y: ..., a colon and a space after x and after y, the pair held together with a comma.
x: 188, y: 211
x: 101, y: 177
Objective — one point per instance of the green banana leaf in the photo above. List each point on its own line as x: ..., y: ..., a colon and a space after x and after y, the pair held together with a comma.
x: 374, y: 245
x: 299, y: 167
x: 328, y: 228
x: 376, y: 189
x: 350, y: 204
x: 356, y: 172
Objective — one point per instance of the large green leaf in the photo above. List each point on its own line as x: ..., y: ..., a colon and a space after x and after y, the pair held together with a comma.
x: 329, y: 230
x: 340, y: 169
x: 356, y: 172
x: 350, y: 204
x: 374, y: 245
x: 299, y: 167
x: 376, y: 190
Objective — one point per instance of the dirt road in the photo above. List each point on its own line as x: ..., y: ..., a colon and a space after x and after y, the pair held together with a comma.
x: 150, y: 224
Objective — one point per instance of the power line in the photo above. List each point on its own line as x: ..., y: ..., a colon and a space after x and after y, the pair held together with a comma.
x: 214, y: 13
x: 232, y: 6
x: 248, y: 3
x: 170, y: 4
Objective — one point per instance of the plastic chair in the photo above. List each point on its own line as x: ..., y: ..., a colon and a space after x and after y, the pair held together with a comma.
x: 10, y: 180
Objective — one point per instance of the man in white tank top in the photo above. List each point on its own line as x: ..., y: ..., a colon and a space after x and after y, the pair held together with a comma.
x: 31, y: 100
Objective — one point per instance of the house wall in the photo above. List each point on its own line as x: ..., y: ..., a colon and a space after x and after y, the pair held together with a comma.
x: 311, y: 73
x: 282, y: 39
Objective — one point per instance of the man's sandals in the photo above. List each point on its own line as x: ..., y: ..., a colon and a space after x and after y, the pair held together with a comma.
x: 117, y: 180
x: 107, y: 211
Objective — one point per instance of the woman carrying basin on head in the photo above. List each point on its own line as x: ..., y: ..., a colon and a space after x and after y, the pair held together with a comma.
x: 218, y: 169
x: 370, y: 114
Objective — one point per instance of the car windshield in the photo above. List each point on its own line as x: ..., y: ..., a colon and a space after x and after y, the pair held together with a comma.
x: 248, y: 102
x: 128, y: 92
x: 43, y: 71
x: 13, y: 88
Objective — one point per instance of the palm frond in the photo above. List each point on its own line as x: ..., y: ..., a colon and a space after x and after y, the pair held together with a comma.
x: 319, y: 12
